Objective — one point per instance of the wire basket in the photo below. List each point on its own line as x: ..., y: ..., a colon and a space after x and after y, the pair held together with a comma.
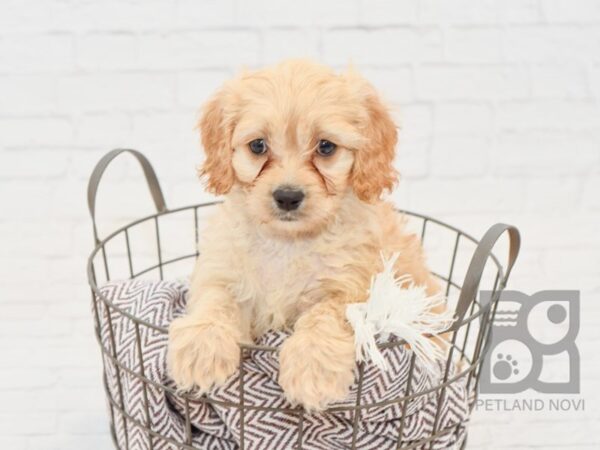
x: 456, y: 256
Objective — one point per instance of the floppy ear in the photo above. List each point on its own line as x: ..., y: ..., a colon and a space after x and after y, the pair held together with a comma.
x: 373, y: 170
x: 216, y: 140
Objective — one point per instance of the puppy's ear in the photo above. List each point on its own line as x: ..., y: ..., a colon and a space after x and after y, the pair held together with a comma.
x: 373, y: 170
x: 216, y: 133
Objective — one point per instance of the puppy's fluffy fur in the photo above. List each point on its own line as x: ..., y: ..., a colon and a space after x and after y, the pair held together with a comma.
x: 263, y: 268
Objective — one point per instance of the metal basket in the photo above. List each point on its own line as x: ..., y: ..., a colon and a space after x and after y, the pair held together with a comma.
x: 469, y: 335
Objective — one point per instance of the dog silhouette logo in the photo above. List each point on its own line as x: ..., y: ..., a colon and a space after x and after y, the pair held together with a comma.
x: 532, y: 343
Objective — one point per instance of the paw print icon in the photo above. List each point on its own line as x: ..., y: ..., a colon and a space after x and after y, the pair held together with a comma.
x: 505, y: 367
x: 532, y: 343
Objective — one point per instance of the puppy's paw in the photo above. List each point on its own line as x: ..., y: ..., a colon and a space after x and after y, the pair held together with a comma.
x: 201, y: 354
x: 315, y: 371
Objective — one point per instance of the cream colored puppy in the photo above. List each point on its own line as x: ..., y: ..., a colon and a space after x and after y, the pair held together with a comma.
x: 303, y: 155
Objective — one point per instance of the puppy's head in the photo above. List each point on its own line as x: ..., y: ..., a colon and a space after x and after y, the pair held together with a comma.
x: 295, y: 140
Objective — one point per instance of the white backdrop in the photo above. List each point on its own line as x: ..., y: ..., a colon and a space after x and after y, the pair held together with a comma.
x: 499, y: 106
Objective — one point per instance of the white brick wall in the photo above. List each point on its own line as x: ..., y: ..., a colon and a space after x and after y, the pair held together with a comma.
x: 499, y: 104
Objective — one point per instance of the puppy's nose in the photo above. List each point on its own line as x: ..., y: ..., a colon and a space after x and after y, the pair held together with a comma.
x: 287, y: 198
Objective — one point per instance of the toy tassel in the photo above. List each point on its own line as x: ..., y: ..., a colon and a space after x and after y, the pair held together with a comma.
x: 397, y: 306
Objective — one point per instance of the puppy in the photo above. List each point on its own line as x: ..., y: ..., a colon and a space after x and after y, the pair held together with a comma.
x: 302, y: 155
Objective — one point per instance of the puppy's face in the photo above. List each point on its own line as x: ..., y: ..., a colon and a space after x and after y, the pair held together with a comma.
x: 294, y: 140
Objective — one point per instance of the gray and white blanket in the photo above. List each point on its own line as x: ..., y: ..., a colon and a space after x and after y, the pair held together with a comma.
x: 216, y: 426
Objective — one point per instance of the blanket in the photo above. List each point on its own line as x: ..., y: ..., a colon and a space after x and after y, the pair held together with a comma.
x: 268, y: 421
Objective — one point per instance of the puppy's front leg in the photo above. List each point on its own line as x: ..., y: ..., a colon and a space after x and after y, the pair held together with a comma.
x: 317, y: 361
x: 203, y: 345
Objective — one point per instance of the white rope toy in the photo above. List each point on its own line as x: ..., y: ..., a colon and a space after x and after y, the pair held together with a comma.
x: 397, y: 306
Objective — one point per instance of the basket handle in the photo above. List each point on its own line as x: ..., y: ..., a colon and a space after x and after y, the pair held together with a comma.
x: 149, y: 174
x: 483, y: 251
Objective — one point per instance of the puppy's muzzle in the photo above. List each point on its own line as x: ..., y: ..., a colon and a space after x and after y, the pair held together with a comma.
x: 288, y: 198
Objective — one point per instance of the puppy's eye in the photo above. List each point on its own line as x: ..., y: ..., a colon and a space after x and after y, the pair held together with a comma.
x: 326, y: 148
x: 258, y: 146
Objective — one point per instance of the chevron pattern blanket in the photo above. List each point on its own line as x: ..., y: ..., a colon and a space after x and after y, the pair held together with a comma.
x: 271, y: 426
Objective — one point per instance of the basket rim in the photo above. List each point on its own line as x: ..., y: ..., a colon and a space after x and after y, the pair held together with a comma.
x: 100, y: 245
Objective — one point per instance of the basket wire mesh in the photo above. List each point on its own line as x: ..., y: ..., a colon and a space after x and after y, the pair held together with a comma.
x: 469, y: 335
